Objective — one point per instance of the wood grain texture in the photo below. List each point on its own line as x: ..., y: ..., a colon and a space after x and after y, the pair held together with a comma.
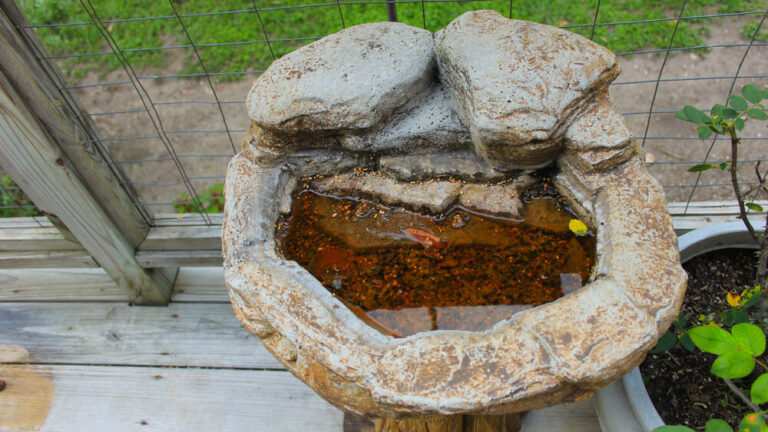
x: 183, y: 238
x: 34, y: 162
x: 34, y: 239
x: 46, y: 259
x: 577, y: 417
x: 62, y: 117
x: 116, y: 399
x: 59, y: 285
x: 181, y: 335
x: 203, y: 284
x: 188, y: 258
x: 193, y: 284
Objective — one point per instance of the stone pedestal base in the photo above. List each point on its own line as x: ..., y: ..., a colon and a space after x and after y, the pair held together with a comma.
x: 457, y: 423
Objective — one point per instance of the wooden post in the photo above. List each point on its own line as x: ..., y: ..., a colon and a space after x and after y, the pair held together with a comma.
x: 47, y: 148
x: 62, y: 117
x: 453, y: 423
x: 37, y: 166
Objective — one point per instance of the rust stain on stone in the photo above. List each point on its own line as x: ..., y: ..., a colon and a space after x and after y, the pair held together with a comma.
x: 26, y: 400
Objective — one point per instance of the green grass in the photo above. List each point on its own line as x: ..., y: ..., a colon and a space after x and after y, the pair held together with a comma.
x: 18, y: 205
x: 322, y: 20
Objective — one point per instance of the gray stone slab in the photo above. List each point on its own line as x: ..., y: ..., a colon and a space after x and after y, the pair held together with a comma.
x: 517, y: 83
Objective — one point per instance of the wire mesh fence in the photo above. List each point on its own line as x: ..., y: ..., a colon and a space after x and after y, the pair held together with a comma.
x: 164, y: 83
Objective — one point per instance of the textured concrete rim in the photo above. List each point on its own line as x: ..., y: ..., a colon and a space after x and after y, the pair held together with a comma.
x: 625, y: 404
x: 558, y: 352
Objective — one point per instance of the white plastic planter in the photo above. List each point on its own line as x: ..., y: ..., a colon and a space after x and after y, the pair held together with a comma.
x: 625, y: 406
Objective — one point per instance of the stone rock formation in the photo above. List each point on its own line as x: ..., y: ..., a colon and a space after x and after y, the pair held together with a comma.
x: 518, y: 84
x: 368, y: 109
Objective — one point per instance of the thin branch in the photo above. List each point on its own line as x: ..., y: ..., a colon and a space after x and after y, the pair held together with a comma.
x: 735, y: 141
x: 737, y: 391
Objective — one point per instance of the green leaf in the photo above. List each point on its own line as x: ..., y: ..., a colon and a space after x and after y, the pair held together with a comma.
x: 736, y: 364
x: 716, y: 110
x: 713, y: 339
x: 665, y: 343
x: 717, y: 425
x: 765, y: 93
x: 750, y: 338
x: 752, y: 295
x: 755, y: 207
x: 727, y: 318
x: 700, y: 167
x: 759, y: 391
x: 737, y: 102
x: 686, y: 342
x: 673, y: 429
x: 740, y: 316
x: 728, y: 113
x: 681, y: 115
x: 757, y: 114
x: 738, y: 124
x: 751, y: 422
x: 752, y: 93
x: 704, y: 132
x: 717, y: 128
x: 724, y: 165
x: 680, y: 321
x: 695, y: 115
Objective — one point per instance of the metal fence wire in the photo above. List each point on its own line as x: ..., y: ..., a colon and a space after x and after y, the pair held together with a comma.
x: 164, y: 83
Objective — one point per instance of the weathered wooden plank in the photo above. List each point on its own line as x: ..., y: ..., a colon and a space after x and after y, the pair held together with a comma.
x: 36, y: 165
x: 708, y: 208
x: 183, y: 238
x: 189, y: 258
x: 182, y: 335
x: 25, y: 222
x: 103, y: 398
x: 46, y: 259
x: 33, y: 239
x: 202, y: 284
x: 59, y: 285
x: 62, y: 117
x: 153, y: 398
x: 187, y: 219
x: 684, y: 224
x: 194, y: 284
x: 577, y: 417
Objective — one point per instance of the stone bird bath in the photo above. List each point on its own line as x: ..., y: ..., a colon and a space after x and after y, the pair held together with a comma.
x: 376, y: 106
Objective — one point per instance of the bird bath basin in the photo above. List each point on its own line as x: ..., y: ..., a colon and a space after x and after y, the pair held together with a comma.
x: 387, y: 113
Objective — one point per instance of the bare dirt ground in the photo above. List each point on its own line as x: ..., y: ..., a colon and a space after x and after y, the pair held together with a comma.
x: 204, y: 155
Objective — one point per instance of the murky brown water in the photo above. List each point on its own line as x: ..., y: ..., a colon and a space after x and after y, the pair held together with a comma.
x: 405, y: 272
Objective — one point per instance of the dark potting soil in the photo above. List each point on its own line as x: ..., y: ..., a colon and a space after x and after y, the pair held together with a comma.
x: 679, y: 382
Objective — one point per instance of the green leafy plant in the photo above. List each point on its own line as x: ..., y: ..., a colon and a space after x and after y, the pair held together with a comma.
x: 211, y: 202
x: 730, y: 120
x: 13, y: 202
x: 738, y: 351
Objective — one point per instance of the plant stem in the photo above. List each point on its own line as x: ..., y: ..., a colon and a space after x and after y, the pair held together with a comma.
x: 737, y: 391
x: 762, y: 261
x: 735, y: 141
x: 761, y: 364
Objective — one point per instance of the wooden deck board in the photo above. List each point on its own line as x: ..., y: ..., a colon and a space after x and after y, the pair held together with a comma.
x: 110, y: 398
x: 192, y: 334
x: 194, y: 284
x: 93, y: 366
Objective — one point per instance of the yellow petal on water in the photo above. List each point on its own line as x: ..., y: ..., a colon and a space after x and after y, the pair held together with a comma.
x: 733, y: 299
x: 577, y: 227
